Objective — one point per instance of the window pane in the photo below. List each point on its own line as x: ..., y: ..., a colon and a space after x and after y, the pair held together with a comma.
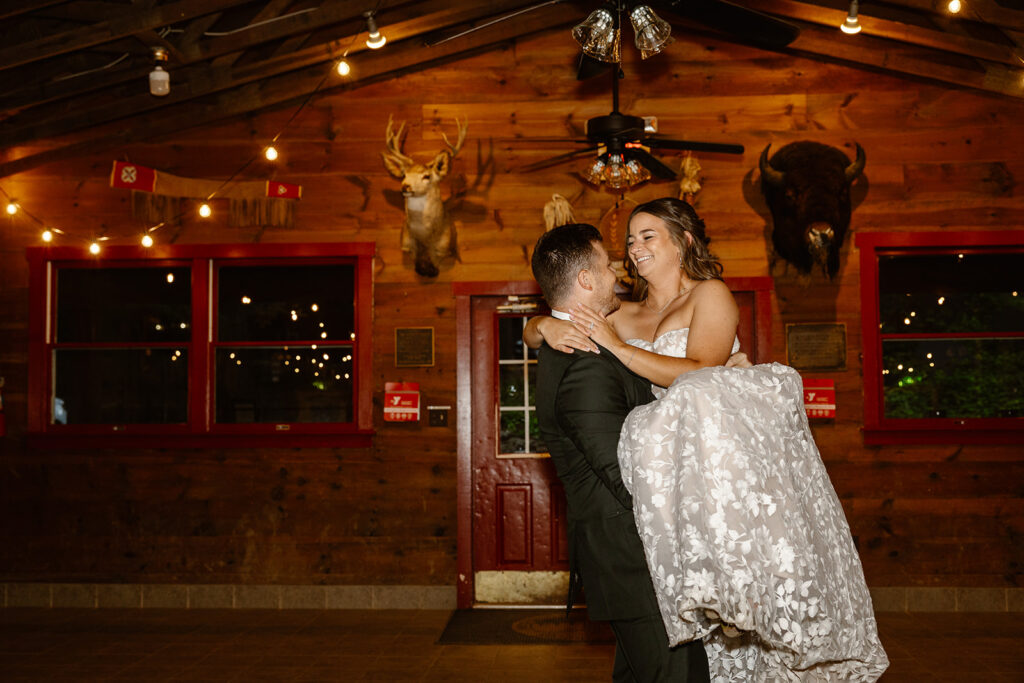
x: 969, y: 378
x: 285, y: 303
x: 278, y: 384
x: 531, y: 371
x: 512, y: 390
x: 510, y: 338
x: 124, y: 305
x: 947, y: 293
x: 120, y: 386
x: 513, y: 431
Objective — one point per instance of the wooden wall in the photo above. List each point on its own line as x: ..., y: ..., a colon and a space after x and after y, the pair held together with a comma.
x: 937, y: 159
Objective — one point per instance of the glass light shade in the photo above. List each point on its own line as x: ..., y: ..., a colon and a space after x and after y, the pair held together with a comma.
x: 638, y: 172
x: 375, y: 40
x: 598, y: 36
x: 595, y: 172
x: 615, y: 174
x: 652, y: 32
x: 159, y: 81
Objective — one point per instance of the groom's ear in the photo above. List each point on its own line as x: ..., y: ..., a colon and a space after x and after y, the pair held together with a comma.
x: 583, y: 278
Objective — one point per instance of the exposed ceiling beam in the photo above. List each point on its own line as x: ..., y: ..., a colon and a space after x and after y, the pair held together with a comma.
x: 885, y: 54
x: 403, y: 57
x: 13, y: 9
x: 893, y: 30
x: 203, y: 80
x: 129, y: 23
x: 985, y: 11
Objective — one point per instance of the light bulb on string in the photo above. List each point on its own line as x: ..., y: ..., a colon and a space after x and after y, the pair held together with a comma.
x: 270, y: 153
x: 954, y: 6
x: 94, y: 248
x: 12, y: 208
x: 344, y: 68
x: 47, y: 236
x: 204, y: 210
x: 147, y: 241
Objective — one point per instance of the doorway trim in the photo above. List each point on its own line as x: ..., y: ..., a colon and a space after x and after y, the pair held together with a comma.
x: 464, y: 292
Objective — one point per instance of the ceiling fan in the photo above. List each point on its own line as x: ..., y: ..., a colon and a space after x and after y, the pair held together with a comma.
x: 622, y: 142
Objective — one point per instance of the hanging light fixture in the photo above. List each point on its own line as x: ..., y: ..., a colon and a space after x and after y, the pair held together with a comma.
x: 375, y: 40
x: 954, y: 6
x: 344, y: 69
x: 270, y: 153
x: 598, y: 35
x: 159, y: 80
x: 652, y: 32
x: 852, y: 23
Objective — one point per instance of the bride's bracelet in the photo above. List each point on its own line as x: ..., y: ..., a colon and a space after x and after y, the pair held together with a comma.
x: 631, y: 356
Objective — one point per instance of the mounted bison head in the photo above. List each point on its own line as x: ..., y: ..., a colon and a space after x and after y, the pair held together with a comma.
x: 807, y: 187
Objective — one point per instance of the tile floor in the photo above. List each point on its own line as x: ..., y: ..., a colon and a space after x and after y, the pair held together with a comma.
x: 399, y: 645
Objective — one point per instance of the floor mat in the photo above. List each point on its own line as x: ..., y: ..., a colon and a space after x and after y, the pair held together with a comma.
x: 523, y: 627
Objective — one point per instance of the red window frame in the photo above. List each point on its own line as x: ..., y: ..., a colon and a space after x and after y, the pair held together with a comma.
x: 200, y: 431
x: 877, y: 428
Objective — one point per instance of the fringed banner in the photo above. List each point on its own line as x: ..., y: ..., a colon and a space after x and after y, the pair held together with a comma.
x: 251, y: 202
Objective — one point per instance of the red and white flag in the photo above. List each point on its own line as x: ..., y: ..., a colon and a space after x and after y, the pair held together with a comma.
x: 133, y: 176
x: 276, y: 190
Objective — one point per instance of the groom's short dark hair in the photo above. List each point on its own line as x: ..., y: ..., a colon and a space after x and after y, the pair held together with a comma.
x: 560, y: 254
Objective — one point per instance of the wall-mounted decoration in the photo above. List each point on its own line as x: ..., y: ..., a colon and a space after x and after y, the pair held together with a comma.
x: 157, y: 196
x: 816, y: 346
x: 414, y: 347
x: 428, y: 233
x: 807, y: 187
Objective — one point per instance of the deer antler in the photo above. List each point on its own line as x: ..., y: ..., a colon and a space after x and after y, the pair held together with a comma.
x: 393, y: 141
x: 463, y: 127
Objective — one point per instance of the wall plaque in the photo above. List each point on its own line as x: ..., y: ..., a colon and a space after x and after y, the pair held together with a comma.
x: 414, y: 347
x: 816, y: 346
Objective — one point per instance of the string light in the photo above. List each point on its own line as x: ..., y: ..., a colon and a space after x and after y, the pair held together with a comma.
x: 47, y: 236
x: 94, y: 248
x: 852, y: 23
x: 205, y: 211
x: 344, y: 69
x: 12, y: 208
x: 954, y: 6
x: 270, y: 153
x: 147, y: 241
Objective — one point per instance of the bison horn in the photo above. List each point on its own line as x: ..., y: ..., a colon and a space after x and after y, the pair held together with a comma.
x: 854, y: 169
x: 769, y: 173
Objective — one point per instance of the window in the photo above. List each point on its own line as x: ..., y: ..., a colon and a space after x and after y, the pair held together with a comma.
x: 943, y: 330
x: 518, y: 430
x: 199, y: 345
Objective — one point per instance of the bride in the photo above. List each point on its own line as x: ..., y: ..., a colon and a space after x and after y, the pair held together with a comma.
x: 745, y: 538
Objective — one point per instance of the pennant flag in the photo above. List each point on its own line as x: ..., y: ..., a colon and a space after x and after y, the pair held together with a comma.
x: 283, y: 190
x: 133, y: 177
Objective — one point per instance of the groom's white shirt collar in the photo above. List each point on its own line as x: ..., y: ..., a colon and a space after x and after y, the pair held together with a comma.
x: 561, y: 315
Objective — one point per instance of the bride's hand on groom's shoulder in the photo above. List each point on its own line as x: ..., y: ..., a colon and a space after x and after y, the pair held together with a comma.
x: 738, y: 360
x: 595, y: 325
x: 566, y: 336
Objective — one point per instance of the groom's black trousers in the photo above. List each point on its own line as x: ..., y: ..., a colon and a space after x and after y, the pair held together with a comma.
x: 641, y: 655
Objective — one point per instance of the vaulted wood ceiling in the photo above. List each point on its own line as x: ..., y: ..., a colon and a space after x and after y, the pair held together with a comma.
x: 73, y: 74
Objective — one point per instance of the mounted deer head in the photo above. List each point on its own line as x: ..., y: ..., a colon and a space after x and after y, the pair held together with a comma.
x: 428, y: 233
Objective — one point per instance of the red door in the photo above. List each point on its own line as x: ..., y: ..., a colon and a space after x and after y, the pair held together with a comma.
x: 512, y: 544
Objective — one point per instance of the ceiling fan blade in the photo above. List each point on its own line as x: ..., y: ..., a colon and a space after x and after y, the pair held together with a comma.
x: 558, y: 159
x: 750, y: 25
x: 548, y: 139
x: 653, y: 165
x: 721, y: 147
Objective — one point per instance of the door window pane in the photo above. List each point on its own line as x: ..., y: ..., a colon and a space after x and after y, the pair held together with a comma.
x: 958, y: 378
x: 517, y: 366
x: 278, y: 384
x: 285, y: 303
x: 120, y: 386
x: 124, y: 305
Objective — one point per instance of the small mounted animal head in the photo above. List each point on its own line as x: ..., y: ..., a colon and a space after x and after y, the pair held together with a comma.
x: 807, y: 187
x: 419, y: 179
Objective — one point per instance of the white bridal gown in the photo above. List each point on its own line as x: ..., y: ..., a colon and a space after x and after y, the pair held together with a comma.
x: 741, y: 525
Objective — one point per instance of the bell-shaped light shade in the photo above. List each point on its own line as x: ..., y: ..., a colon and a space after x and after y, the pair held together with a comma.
x: 595, y: 172
x: 159, y: 81
x: 637, y: 172
x: 615, y: 174
x: 598, y: 36
x: 652, y: 32
x: 374, y: 39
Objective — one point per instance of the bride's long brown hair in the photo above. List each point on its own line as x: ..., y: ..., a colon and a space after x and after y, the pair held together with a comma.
x: 686, y: 229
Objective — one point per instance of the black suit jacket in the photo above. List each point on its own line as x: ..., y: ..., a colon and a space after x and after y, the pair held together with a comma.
x: 582, y: 400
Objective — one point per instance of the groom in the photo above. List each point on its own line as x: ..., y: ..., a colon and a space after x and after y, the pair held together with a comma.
x: 582, y: 401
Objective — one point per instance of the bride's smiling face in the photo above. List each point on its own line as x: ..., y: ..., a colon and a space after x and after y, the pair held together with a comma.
x: 650, y: 246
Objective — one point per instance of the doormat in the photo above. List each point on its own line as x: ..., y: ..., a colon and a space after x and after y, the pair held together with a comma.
x: 523, y: 627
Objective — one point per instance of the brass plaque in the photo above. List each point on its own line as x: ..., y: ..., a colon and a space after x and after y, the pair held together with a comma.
x: 414, y: 347
x: 816, y: 346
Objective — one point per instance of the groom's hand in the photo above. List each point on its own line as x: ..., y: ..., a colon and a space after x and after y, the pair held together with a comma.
x: 738, y: 360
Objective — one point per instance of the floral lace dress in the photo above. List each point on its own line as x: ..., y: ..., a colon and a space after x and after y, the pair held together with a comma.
x: 741, y: 525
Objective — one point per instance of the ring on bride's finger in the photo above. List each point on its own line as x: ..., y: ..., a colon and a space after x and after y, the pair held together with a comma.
x: 591, y: 327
